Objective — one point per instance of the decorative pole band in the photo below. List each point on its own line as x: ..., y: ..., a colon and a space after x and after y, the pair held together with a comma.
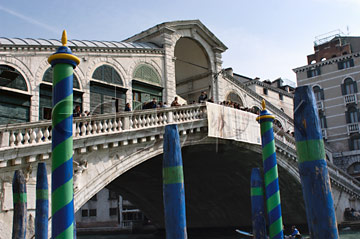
x: 42, y: 203
x: 313, y: 170
x: 271, y: 178
x: 173, y: 185
x: 62, y: 190
x: 20, y: 206
x: 257, y: 205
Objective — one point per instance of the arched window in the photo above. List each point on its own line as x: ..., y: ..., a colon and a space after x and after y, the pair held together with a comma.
x: 354, y: 168
x: 146, y: 85
x: 319, y: 93
x: 14, y: 105
x: 349, y: 87
x: 107, y: 74
x: 147, y: 73
x: 233, y: 97
x: 109, y: 97
x: 45, y: 102
x: 48, y: 77
x: 352, y: 115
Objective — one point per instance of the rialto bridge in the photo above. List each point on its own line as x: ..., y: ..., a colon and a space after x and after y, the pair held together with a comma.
x: 123, y: 150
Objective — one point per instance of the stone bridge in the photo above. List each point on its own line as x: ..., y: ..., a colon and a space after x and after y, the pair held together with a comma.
x: 123, y: 151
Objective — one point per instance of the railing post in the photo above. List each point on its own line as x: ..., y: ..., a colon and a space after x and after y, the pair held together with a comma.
x: 170, y: 117
x: 127, y: 122
x: 4, y: 139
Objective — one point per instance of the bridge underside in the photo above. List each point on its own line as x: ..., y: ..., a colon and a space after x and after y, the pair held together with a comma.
x: 217, y: 187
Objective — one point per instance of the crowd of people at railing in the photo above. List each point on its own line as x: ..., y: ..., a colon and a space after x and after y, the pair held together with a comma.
x: 351, y: 214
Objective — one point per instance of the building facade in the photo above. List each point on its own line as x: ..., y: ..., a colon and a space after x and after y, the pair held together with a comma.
x: 109, y: 211
x: 333, y: 71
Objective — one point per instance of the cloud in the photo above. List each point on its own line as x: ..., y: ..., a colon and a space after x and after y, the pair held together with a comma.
x: 30, y: 20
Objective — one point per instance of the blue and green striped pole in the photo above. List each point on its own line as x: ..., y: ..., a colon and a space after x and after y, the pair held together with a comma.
x: 173, y: 185
x: 257, y: 205
x: 313, y: 171
x: 20, y: 206
x: 42, y: 203
x: 62, y: 190
x: 271, y: 178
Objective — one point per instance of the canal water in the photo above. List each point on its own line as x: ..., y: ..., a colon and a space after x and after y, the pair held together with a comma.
x: 204, y: 235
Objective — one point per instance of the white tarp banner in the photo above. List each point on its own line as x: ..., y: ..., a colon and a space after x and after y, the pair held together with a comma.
x: 229, y: 123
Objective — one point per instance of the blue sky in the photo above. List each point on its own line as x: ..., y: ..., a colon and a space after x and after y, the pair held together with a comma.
x: 266, y: 38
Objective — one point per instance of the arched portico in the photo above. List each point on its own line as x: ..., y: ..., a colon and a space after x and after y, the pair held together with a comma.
x: 192, y: 69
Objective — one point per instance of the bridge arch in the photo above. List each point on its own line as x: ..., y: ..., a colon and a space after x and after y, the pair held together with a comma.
x: 193, y: 71
x: 124, y: 174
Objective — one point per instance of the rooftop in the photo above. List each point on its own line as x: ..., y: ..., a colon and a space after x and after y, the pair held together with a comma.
x: 75, y: 43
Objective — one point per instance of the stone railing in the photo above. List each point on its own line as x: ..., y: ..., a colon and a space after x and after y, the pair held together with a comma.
x: 284, y: 137
x: 38, y: 133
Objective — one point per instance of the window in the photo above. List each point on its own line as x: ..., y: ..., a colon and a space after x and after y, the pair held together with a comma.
x: 14, y: 105
x: 147, y: 73
x: 352, y: 115
x: 322, y: 118
x: 113, y: 195
x: 46, y: 94
x: 107, y: 74
x: 313, y: 72
x: 11, y: 78
x: 281, y: 96
x: 84, y: 213
x: 319, y: 93
x: 113, y: 211
x: 92, y: 212
x: 265, y: 91
x: 355, y: 144
x: 345, y: 64
x: 349, y: 87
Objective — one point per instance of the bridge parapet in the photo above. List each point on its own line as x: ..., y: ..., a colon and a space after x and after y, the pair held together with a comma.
x: 18, y: 138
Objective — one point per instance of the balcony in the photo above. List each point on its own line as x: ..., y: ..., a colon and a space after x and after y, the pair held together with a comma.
x: 320, y: 105
x: 351, y: 98
x: 353, y: 128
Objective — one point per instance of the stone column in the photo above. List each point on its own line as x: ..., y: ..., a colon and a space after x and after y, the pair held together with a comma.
x: 216, y: 87
x: 169, y: 67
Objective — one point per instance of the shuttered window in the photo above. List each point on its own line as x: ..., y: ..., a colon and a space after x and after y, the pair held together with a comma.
x: 106, y: 98
x: 14, y: 106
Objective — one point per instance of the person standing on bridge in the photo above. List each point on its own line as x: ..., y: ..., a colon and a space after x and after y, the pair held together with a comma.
x: 203, y: 97
x: 127, y: 107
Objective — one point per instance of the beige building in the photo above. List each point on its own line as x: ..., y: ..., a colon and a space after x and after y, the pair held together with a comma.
x: 333, y: 71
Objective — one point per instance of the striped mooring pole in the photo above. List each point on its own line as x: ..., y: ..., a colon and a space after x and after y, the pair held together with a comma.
x: 62, y: 190
x: 271, y: 178
x: 313, y: 170
x: 20, y: 206
x: 173, y: 185
x: 257, y: 205
x: 42, y: 203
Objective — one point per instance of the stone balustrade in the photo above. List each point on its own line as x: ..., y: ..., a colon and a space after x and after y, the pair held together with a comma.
x: 37, y: 133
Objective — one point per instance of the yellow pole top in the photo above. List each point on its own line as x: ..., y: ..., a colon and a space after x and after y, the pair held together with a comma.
x: 263, y: 104
x: 64, y: 38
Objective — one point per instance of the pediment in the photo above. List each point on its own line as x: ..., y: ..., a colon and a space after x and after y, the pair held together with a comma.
x: 157, y: 33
